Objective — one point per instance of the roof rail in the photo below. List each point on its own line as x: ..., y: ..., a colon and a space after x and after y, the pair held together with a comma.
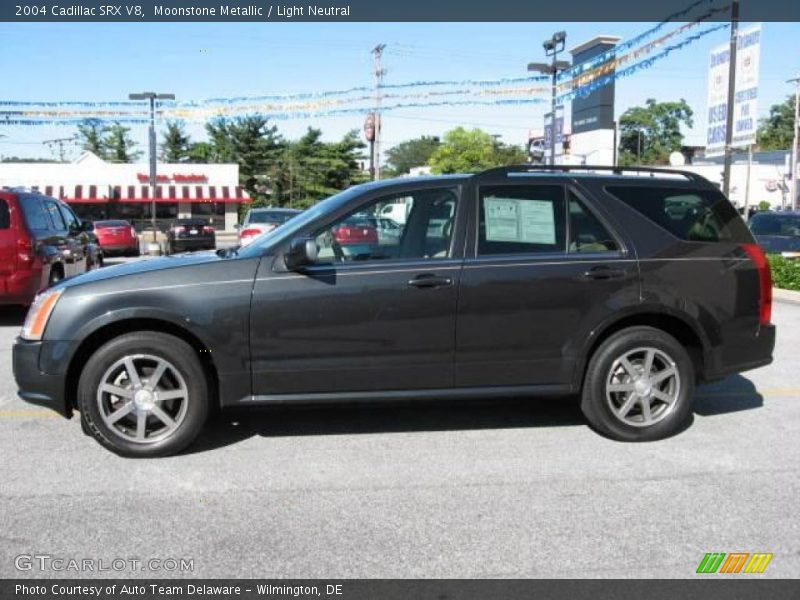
x: 652, y: 171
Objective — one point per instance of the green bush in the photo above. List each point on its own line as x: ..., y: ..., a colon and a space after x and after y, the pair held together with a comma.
x: 785, y: 272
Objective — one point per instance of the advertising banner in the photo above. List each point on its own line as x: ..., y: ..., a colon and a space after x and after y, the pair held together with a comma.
x: 745, y: 106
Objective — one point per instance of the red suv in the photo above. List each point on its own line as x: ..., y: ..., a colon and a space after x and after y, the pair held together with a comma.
x: 41, y: 242
x: 117, y: 236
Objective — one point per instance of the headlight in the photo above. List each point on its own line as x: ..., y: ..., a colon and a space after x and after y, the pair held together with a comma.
x: 39, y: 314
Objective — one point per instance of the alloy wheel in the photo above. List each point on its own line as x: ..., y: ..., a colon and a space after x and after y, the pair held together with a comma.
x: 143, y: 398
x: 643, y: 386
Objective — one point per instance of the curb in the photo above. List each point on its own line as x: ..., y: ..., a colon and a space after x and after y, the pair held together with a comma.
x: 789, y: 296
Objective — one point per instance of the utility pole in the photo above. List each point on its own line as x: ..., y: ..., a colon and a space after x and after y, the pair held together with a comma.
x: 152, y: 97
x: 60, y: 143
x: 551, y: 48
x: 726, y: 171
x: 377, y: 52
x: 794, y: 159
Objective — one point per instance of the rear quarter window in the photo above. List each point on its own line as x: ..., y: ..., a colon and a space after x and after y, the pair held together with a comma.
x: 690, y: 215
x: 5, y: 217
x: 35, y: 216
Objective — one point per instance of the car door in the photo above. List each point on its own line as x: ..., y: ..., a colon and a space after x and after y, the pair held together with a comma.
x: 367, y: 316
x: 544, y: 269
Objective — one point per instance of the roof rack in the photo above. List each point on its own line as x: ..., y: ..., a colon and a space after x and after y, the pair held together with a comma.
x: 652, y: 171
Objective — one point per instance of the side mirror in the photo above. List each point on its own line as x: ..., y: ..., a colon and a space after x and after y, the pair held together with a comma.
x: 237, y: 226
x: 302, y: 251
x: 87, y: 226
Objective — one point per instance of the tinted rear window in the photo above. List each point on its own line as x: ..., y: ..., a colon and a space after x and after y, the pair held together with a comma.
x: 111, y: 224
x: 775, y: 224
x: 279, y: 217
x: 691, y: 215
x: 5, y: 218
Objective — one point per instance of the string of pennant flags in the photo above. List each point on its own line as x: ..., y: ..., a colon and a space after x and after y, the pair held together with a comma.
x: 626, y: 59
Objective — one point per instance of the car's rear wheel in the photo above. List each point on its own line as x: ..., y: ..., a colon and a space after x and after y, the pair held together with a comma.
x: 639, y: 385
x: 144, y: 394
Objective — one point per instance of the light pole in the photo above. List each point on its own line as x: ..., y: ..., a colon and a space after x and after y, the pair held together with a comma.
x: 551, y: 48
x: 726, y: 169
x: 152, y: 97
x: 793, y: 162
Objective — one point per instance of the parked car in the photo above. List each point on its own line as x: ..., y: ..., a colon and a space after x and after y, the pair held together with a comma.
x: 117, y: 237
x: 777, y: 232
x: 263, y: 220
x: 534, y: 281
x: 190, y: 234
x: 41, y: 243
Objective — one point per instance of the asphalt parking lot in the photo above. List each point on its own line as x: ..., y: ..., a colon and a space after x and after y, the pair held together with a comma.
x: 492, y: 489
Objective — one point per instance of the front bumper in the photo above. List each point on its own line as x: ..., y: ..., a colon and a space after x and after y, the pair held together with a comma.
x: 35, y: 385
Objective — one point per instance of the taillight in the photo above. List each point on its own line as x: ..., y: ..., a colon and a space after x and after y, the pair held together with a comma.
x: 758, y: 257
x: 133, y: 232
x: 208, y: 229
x: 178, y: 229
x: 25, y: 250
x: 250, y: 232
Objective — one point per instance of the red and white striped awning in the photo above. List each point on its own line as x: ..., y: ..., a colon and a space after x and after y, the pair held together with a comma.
x: 100, y: 194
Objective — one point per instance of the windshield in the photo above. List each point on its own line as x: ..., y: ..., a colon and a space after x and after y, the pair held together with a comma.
x: 773, y: 224
x: 271, y: 216
x: 330, y: 204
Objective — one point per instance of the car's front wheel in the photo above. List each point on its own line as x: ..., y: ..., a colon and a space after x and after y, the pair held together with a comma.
x: 144, y: 394
x: 639, y: 385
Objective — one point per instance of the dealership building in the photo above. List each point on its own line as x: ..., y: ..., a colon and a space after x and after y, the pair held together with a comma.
x: 97, y: 189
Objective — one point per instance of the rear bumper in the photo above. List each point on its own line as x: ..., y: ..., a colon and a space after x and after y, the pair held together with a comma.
x: 20, y: 287
x: 734, y: 358
x: 35, y: 385
x: 194, y: 243
x: 120, y: 246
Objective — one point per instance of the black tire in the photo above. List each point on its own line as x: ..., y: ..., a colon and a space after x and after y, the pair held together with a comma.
x: 668, y: 418
x: 56, y: 275
x: 136, y: 252
x: 181, y: 356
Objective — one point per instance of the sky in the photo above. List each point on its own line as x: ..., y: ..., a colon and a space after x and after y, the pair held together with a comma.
x: 101, y: 61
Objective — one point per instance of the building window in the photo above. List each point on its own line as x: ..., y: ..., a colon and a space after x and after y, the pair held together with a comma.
x: 213, y: 212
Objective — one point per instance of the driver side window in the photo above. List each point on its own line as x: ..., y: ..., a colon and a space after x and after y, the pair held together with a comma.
x: 413, y: 225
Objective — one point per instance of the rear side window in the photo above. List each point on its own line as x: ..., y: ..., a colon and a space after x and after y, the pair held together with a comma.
x: 586, y: 233
x: 55, y: 215
x: 5, y: 217
x: 691, y: 215
x: 521, y: 220
x: 35, y: 215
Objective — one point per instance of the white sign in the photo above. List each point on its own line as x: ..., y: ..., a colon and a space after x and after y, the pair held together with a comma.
x: 514, y: 220
x: 745, y: 106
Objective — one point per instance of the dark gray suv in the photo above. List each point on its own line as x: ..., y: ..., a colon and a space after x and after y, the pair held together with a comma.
x: 624, y: 286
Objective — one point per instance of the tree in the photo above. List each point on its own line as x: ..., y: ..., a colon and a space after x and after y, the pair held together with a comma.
x: 90, y: 136
x: 412, y: 153
x: 310, y: 169
x: 776, y: 131
x: 119, y: 145
x: 251, y: 143
x: 648, y: 134
x: 464, y: 151
x: 200, y: 152
x: 176, y: 145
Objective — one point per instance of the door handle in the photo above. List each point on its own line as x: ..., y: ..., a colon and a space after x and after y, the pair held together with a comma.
x: 603, y: 272
x: 430, y: 281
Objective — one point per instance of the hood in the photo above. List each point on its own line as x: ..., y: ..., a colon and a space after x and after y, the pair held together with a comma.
x: 144, y: 265
x: 778, y: 243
